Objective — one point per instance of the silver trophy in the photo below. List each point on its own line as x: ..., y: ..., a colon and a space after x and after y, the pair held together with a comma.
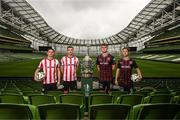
x: 87, y: 67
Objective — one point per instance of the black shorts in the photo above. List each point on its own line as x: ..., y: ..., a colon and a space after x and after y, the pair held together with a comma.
x: 49, y: 87
x: 105, y: 85
x: 69, y: 85
x: 127, y: 87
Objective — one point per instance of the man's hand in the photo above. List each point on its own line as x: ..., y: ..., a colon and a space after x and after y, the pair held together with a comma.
x: 58, y: 83
x: 116, y: 82
x: 139, y: 78
x: 35, y: 77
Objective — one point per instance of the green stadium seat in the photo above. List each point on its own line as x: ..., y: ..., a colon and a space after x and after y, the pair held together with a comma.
x: 100, y: 99
x: 10, y: 92
x: 76, y: 92
x: 97, y: 92
x: 177, y: 93
x: 59, y: 111
x: 176, y: 99
x: 28, y: 93
x: 17, y: 112
x: 156, y: 111
x: 143, y: 93
x: 159, y: 98
x: 12, y: 98
x: 130, y: 99
x: 74, y: 99
x: 160, y: 92
x: 117, y: 94
x: 109, y: 111
x: 148, y: 89
x: 41, y: 99
x: 55, y: 94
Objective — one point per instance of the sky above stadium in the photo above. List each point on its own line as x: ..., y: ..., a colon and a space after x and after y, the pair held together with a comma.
x: 88, y: 19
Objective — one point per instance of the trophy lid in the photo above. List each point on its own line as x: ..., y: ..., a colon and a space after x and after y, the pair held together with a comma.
x: 87, y: 58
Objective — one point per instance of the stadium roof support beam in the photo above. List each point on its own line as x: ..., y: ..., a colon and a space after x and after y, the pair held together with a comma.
x: 14, y: 2
x: 116, y: 39
x: 59, y: 38
x: 120, y: 37
x: 162, y: 18
x: 15, y: 19
x: 21, y: 9
x: 64, y: 39
x: 107, y: 40
x: 55, y: 37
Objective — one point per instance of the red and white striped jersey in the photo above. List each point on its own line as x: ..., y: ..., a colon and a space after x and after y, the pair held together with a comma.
x: 69, y: 68
x: 50, y: 69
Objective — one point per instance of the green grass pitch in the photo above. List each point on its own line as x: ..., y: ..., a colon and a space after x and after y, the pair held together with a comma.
x: 148, y: 68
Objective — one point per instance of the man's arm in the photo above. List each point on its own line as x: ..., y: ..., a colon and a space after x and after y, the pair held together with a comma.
x: 77, y: 66
x: 139, y: 73
x: 62, y: 69
x: 35, y: 74
x: 98, y: 68
x: 113, y: 63
x: 113, y: 66
x: 117, y: 76
x: 97, y: 64
x: 59, y: 75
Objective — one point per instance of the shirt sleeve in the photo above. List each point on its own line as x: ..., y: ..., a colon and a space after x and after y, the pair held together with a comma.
x: 134, y: 64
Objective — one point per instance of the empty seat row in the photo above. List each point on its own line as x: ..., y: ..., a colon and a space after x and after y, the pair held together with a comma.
x: 131, y: 99
x: 102, y: 111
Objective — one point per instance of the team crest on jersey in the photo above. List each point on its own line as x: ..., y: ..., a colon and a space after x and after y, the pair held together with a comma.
x: 130, y: 62
x: 108, y: 58
x: 51, y: 67
x: 100, y: 59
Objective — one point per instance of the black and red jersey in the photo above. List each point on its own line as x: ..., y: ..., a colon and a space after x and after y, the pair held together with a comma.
x: 126, y: 67
x: 105, y: 65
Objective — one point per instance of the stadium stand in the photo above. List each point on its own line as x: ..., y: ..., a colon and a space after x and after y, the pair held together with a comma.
x: 171, y: 36
x: 156, y: 56
x: 165, y: 42
x: 10, y: 41
x: 170, y: 48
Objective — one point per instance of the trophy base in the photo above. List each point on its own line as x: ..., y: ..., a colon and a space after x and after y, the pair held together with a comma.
x: 86, y: 75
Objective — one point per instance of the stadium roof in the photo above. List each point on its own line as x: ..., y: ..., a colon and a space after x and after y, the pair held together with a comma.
x: 142, y: 24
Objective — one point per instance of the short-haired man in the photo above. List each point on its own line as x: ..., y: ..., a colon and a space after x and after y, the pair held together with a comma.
x: 69, y: 65
x: 105, y: 65
x: 124, y: 71
x: 51, y: 67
